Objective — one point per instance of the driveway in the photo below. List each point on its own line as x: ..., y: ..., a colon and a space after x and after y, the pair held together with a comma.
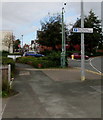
x: 54, y: 93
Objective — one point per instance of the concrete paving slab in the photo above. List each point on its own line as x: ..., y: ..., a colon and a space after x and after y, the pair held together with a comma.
x: 70, y: 75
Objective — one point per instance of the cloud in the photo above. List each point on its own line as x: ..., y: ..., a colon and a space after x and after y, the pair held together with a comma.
x: 22, y: 16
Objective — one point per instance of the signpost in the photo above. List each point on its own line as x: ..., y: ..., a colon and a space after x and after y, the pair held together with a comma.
x: 63, y: 42
x: 102, y: 16
x: 82, y: 30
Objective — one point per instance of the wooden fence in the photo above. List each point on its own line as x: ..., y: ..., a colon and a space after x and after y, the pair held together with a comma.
x: 6, y: 76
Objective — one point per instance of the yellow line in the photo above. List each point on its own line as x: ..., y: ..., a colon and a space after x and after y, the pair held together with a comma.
x: 94, y: 72
x: 91, y: 71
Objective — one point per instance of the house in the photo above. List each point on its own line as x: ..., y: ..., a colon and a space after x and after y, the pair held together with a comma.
x: 34, y: 46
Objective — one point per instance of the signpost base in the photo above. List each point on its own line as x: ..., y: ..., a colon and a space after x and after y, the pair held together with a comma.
x: 82, y: 78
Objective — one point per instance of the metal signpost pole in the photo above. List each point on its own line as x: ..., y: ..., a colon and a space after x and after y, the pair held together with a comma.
x: 82, y: 45
x: 63, y: 41
x: 102, y: 16
x: 82, y: 30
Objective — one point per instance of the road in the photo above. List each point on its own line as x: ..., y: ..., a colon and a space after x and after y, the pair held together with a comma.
x: 92, y: 64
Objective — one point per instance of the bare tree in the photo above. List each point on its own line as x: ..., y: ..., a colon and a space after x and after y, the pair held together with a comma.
x: 8, y: 40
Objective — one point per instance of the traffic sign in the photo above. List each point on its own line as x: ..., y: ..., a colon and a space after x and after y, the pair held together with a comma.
x: 83, y: 30
x: 19, y: 46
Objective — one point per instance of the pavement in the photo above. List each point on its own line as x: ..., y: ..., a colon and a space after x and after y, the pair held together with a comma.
x: 53, y: 93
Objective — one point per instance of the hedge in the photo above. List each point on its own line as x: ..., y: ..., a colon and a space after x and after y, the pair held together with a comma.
x: 43, y: 62
x: 7, y: 61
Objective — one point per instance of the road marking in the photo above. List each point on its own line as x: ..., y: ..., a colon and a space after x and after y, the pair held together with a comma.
x: 97, y: 88
x: 93, y: 66
x: 90, y: 71
x: 94, y: 72
x: 2, y: 112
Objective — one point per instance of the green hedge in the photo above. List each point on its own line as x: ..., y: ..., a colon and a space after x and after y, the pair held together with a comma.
x: 4, y: 53
x: 16, y: 54
x: 52, y: 60
x: 7, y: 61
x: 38, y: 62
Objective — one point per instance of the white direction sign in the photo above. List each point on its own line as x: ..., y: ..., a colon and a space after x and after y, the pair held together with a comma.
x: 83, y: 30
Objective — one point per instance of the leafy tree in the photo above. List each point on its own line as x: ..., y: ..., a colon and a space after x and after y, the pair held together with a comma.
x: 16, y: 43
x: 50, y: 34
x: 92, y: 40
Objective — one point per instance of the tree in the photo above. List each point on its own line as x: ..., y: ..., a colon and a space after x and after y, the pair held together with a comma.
x: 8, y: 40
x: 16, y: 44
x: 91, y: 40
x: 50, y: 34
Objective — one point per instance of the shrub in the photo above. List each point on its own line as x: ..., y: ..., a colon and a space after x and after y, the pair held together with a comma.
x: 4, y: 53
x: 16, y: 54
x: 46, y: 52
x: 41, y: 62
x: 49, y: 61
x: 45, y: 64
x: 7, y: 61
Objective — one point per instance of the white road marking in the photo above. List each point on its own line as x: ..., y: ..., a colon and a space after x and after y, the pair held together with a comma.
x: 2, y: 112
x: 93, y: 66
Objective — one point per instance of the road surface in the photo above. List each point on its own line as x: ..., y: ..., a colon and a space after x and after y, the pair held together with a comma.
x: 93, y: 64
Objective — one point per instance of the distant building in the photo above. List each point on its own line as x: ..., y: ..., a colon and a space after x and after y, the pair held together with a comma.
x: 26, y: 47
x: 6, y: 41
x: 34, y: 46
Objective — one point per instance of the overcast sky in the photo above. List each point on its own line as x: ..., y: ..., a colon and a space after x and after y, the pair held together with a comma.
x: 23, y: 18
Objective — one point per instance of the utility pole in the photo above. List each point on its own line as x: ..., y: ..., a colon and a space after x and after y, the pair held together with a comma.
x: 82, y: 44
x: 63, y: 41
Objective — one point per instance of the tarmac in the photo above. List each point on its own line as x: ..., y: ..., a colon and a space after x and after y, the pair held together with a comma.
x: 53, y: 93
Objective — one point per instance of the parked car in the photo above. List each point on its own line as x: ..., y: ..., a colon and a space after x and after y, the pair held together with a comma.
x: 78, y: 56
x: 32, y: 53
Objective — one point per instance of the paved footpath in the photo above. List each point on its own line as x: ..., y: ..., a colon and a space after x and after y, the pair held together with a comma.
x: 56, y: 93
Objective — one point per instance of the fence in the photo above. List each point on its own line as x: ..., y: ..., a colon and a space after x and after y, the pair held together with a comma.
x: 6, y: 76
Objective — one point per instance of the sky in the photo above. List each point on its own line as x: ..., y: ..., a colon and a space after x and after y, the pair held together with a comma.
x: 23, y: 18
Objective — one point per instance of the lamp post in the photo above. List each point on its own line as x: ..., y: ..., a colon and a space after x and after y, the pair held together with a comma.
x: 102, y: 19
x: 21, y: 43
x: 63, y: 63
x: 22, y: 40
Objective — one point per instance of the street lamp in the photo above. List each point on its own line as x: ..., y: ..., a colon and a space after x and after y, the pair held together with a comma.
x: 22, y: 40
x: 102, y: 16
x: 63, y: 63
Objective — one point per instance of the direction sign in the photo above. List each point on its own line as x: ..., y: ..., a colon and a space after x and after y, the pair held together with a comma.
x: 83, y: 30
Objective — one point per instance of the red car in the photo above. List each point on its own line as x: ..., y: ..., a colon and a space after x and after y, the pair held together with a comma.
x: 78, y: 56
